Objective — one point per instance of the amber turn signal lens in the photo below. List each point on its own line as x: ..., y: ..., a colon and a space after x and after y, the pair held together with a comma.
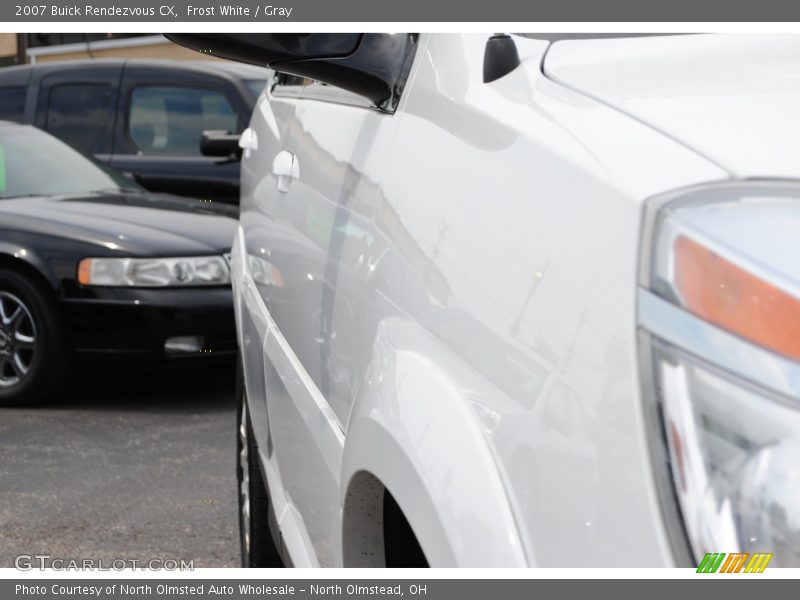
x: 85, y: 271
x: 734, y: 299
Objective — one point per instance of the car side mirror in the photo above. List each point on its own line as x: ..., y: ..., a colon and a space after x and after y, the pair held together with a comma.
x: 374, y: 65
x: 214, y: 142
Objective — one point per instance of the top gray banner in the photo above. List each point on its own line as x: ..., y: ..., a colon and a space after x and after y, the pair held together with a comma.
x: 359, y: 11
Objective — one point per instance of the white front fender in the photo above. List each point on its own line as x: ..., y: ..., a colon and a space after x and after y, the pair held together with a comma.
x: 415, y: 430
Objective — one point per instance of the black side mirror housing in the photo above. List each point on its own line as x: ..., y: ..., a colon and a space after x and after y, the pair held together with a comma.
x: 214, y: 142
x: 374, y: 65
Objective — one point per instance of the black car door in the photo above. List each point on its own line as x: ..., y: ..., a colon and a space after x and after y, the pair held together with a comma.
x: 77, y: 106
x: 162, y: 113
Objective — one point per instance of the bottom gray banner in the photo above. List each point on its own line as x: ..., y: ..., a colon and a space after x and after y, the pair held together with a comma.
x: 733, y: 588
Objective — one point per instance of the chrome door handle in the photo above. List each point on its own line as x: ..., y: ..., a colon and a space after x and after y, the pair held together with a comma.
x: 285, y: 168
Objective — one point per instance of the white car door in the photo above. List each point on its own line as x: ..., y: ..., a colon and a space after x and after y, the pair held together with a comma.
x: 323, y: 189
x: 261, y: 141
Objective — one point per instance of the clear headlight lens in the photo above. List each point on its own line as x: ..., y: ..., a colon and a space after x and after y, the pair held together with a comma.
x: 187, y: 271
x: 723, y: 268
x: 734, y: 451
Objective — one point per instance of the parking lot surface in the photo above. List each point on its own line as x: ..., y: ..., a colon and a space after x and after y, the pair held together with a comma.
x: 134, y: 466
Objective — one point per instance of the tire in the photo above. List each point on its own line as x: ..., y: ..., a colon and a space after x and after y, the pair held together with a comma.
x: 258, y: 548
x: 33, y: 352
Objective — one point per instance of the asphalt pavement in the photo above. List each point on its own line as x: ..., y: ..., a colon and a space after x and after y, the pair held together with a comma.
x: 132, y: 466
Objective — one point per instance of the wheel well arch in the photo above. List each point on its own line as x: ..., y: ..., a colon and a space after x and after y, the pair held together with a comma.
x: 30, y: 264
x: 35, y: 274
x: 414, y: 430
x: 375, y: 529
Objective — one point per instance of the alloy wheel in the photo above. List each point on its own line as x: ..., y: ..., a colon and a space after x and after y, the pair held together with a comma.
x: 17, y: 340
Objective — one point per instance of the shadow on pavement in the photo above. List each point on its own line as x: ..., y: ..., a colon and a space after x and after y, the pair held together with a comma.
x: 194, y: 389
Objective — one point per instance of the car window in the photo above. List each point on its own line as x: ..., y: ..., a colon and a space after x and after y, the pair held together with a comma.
x: 79, y: 114
x: 12, y: 103
x: 33, y: 163
x: 284, y: 84
x: 256, y: 86
x: 289, y: 80
x: 171, y: 119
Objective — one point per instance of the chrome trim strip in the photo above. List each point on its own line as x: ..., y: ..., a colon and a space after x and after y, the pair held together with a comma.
x: 718, y: 347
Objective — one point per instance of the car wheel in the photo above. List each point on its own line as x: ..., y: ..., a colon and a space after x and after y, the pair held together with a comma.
x: 33, y: 352
x: 257, y: 545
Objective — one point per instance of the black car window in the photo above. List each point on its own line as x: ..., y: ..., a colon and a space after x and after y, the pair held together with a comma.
x: 80, y: 114
x: 12, y: 103
x: 33, y: 163
x: 170, y: 119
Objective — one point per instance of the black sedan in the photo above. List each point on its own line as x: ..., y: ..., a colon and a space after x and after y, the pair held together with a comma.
x: 94, y: 269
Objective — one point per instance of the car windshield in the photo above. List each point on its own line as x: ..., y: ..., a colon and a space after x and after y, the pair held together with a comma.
x: 34, y: 163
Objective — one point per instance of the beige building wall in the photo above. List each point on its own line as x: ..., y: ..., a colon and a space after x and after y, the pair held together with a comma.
x: 8, y: 44
x: 145, y: 47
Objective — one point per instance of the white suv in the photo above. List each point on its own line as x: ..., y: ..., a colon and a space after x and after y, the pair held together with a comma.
x: 508, y: 302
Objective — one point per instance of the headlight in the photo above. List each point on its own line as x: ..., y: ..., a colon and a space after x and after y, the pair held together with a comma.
x: 264, y: 272
x: 719, y: 310
x: 154, y: 272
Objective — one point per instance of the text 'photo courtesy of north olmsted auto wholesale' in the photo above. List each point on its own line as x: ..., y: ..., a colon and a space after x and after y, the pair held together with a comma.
x: 446, y: 300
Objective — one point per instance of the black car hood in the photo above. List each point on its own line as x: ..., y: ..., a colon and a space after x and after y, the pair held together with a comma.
x: 137, y: 223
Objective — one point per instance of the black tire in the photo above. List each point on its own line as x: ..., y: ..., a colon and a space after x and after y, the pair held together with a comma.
x: 258, y: 548
x: 39, y: 367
